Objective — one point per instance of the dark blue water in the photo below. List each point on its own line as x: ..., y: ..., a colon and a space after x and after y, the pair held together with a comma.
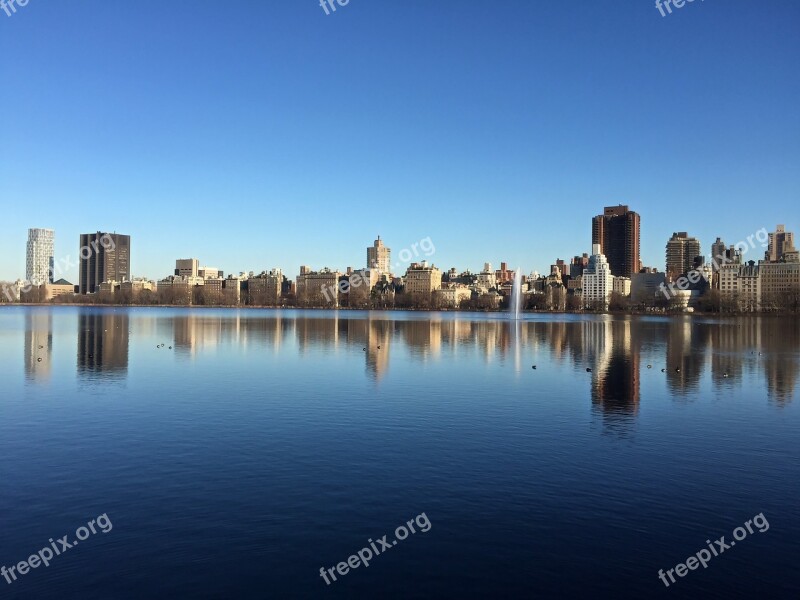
x: 265, y: 445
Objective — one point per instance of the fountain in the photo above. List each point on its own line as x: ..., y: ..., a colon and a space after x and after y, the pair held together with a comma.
x: 516, y: 296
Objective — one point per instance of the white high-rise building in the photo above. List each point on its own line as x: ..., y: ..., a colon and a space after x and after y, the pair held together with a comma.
x: 598, y: 282
x: 39, y: 261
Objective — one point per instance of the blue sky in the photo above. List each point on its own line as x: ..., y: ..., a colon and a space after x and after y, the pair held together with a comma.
x: 260, y: 134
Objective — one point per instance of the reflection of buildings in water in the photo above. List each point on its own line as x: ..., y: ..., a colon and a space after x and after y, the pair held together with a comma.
x: 195, y: 331
x: 456, y: 333
x: 779, y: 359
x: 423, y: 338
x: 781, y: 374
x: 687, y: 343
x: 103, y: 343
x: 268, y: 330
x: 38, y: 343
x: 374, y: 336
x: 311, y: 331
x: 614, y: 350
x: 732, y: 345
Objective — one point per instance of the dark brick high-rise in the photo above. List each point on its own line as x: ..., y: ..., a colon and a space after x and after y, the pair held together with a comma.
x: 617, y: 231
x: 103, y: 257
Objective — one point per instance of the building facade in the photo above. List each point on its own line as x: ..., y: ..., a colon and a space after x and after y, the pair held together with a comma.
x: 318, y: 287
x: 597, y: 282
x: 379, y: 257
x: 618, y: 232
x: 622, y: 286
x: 187, y: 267
x: 764, y: 286
x: 39, y: 256
x: 780, y: 241
x: 422, y: 279
x: 265, y: 289
x: 682, y: 251
x: 103, y: 257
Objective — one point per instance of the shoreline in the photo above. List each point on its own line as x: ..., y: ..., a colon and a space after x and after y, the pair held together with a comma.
x: 417, y: 310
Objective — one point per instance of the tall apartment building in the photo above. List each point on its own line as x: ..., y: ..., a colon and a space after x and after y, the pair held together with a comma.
x: 682, y: 251
x: 103, y: 257
x: 597, y: 281
x: 618, y: 232
x: 422, y: 279
x: 39, y: 261
x: 379, y: 257
x: 780, y: 242
x: 718, y: 253
x: 578, y: 264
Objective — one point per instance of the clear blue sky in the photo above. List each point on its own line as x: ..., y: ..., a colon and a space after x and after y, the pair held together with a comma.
x: 254, y: 134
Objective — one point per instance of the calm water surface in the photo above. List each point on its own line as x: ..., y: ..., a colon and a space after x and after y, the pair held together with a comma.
x: 264, y: 445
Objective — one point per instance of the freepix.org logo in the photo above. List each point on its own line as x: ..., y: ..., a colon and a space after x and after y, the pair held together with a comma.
x: 10, y: 6
x: 329, y: 6
x: 668, y: 4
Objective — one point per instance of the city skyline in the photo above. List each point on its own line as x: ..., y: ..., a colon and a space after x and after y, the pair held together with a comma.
x: 63, y: 262
x: 506, y: 118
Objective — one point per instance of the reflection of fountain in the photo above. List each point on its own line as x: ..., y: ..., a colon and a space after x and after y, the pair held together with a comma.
x: 515, y: 308
x: 516, y: 295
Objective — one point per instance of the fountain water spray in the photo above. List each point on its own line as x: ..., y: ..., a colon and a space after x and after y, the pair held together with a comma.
x: 516, y: 295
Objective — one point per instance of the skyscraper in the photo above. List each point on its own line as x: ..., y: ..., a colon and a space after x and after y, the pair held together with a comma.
x: 779, y: 242
x: 682, y: 251
x: 379, y: 257
x: 598, y: 282
x: 39, y: 262
x: 103, y: 257
x: 617, y: 231
x: 718, y: 253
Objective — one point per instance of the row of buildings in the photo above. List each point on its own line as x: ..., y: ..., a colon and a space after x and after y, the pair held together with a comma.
x: 613, y: 269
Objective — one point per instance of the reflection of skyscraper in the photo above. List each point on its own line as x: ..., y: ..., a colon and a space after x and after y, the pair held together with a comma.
x: 38, y: 343
x: 686, y: 348
x: 374, y: 335
x: 103, y: 344
x: 615, y: 376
